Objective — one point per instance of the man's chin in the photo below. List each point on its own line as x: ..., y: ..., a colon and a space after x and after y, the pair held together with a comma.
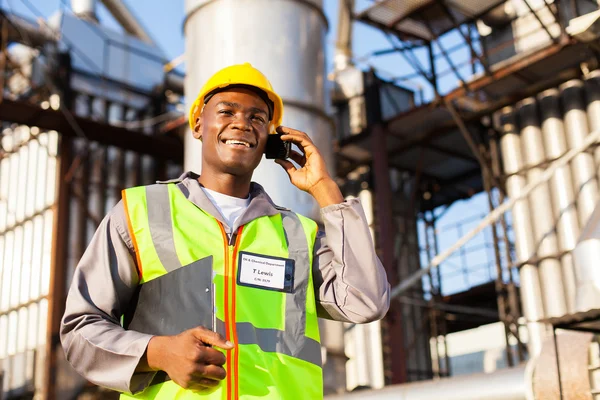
x: 239, y: 169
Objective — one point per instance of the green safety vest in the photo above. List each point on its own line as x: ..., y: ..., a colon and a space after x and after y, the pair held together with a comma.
x: 187, y: 262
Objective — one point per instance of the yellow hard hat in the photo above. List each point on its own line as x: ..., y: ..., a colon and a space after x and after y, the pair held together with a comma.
x: 239, y: 74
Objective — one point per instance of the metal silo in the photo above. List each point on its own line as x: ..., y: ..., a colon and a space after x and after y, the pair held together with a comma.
x: 284, y: 40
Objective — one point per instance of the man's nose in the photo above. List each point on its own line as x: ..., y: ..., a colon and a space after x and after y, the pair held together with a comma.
x: 241, y: 122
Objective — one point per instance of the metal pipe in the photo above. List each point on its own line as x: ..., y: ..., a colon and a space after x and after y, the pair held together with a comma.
x: 561, y: 188
x: 396, y: 357
x: 128, y: 20
x: 586, y: 256
x: 582, y: 166
x: 531, y: 293
x: 343, y: 45
x: 513, y: 296
x: 501, y: 288
x: 592, y: 97
x: 57, y: 289
x: 542, y: 217
x: 505, y: 384
x: 85, y: 9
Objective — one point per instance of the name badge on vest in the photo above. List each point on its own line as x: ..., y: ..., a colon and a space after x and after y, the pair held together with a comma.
x: 265, y: 272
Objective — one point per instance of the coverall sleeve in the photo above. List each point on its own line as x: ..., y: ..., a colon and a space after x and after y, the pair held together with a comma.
x: 350, y: 282
x: 103, y: 284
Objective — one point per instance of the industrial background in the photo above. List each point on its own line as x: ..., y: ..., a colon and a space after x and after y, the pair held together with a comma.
x: 501, y: 301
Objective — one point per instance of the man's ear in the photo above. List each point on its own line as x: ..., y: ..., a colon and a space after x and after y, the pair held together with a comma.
x: 198, y: 129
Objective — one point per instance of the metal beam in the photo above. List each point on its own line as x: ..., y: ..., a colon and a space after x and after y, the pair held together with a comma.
x: 467, y: 38
x: 162, y: 147
x: 57, y: 291
x: 434, y: 77
x: 383, y: 198
x: 445, y: 54
x: 470, y: 141
x: 415, y: 64
x: 128, y: 20
x: 507, y: 71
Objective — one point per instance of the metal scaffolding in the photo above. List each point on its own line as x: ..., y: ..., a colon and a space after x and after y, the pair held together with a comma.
x: 450, y: 148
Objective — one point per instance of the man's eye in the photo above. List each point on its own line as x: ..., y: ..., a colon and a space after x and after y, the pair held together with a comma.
x: 259, y: 119
x: 226, y: 112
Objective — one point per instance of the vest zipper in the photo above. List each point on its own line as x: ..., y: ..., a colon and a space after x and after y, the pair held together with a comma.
x: 230, y: 257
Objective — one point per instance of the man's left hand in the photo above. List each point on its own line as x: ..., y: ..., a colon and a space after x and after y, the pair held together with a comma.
x: 312, y: 176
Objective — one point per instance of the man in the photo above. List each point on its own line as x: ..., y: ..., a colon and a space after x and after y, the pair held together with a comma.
x: 202, y: 288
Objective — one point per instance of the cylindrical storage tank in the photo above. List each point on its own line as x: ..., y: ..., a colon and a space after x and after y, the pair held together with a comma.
x: 531, y: 294
x: 282, y: 38
x: 582, y: 166
x: 540, y: 205
x: 592, y: 98
x: 561, y: 189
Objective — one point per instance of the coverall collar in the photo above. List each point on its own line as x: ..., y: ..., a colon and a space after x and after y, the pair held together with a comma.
x: 260, y: 203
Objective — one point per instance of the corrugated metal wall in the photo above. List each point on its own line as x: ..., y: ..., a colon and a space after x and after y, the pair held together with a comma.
x: 27, y: 195
x: 95, y: 176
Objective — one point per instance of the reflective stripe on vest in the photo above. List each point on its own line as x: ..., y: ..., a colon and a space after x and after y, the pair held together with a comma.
x: 277, y: 352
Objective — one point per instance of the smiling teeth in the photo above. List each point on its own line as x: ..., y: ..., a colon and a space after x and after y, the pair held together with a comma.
x: 237, y: 142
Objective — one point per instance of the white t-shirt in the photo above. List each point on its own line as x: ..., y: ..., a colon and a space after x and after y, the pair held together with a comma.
x: 231, y: 208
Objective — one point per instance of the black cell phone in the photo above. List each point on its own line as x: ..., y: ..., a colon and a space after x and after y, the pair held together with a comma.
x: 277, y: 148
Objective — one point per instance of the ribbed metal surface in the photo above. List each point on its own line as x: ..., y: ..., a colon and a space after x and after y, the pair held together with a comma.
x: 48, y: 215
x: 27, y: 186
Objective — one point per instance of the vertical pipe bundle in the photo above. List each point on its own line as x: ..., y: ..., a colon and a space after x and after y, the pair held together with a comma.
x: 583, y: 168
x: 531, y: 294
x: 542, y: 217
x: 537, y: 131
x: 561, y: 189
